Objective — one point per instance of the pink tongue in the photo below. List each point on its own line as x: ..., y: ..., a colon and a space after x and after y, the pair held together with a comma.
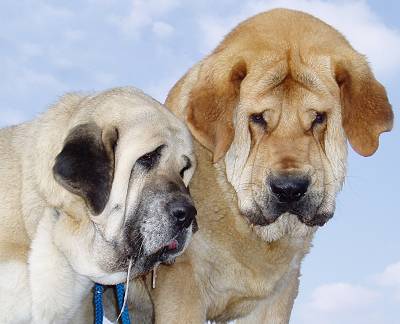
x: 173, y: 245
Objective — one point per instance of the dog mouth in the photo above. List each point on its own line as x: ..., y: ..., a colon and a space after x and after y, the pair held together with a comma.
x: 319, y: 219
x: 306, y: 211
x: 171, y: 249
x: 165, y: 254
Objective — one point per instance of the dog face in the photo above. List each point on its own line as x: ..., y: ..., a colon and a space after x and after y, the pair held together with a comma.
x: 278, y: 99
x: 289, y: 167
x: 130, y: 160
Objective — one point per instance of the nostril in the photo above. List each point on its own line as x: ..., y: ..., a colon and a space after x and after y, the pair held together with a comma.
x: 299, y: 187
x: 179, y: 214
x: 184, y: 215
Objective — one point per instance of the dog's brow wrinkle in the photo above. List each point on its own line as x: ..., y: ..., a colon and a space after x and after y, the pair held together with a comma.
x: 309, y: 79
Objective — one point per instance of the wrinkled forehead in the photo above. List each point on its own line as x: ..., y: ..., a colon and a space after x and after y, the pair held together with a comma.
x: 294, y: 77
x: 149, y: 134
x: 141, y: 121
x: 154, y: 126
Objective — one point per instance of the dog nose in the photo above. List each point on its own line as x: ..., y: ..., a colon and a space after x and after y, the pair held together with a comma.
x: 184, y: 213
x: 289, y: 188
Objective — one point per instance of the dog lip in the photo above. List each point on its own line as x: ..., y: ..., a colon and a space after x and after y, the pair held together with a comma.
x: 165, y: 254
x: 173, y: 247
x: 259, y: 219
x: 306, y: 215
x: 317, y: 220
x: 265, y: 221
x: 312, y: 222
x: 309, y: 219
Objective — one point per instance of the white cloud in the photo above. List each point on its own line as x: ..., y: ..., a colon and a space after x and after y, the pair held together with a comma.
x: 11, y: 117
x: 390, y: 277
x: 104, y: 79
x: 74, y: 35
x: 25, y: 79
x: 145, y: 14
x: 159, y: 88
x: 48, y: 11
x: 29, y: 78
x: 340, y: 302
x: 355, y: 19
x: 341, y: 297
x: 45, y: 12
x: 162, y: 29
x: 30, y: 49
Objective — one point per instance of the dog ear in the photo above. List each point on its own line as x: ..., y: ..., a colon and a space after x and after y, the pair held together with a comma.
x: 85, y: 166
x: 211, y: 104
x: 366, y: 111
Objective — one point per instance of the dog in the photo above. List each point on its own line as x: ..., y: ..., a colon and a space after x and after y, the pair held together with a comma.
x: 95, y: 185
x: 271, y: 110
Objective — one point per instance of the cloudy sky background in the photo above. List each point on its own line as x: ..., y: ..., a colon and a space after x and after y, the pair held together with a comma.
x: 47, y: 48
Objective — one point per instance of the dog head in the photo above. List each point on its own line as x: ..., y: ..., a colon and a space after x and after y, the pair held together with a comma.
x: 277, y: 100
x: 125, y: 164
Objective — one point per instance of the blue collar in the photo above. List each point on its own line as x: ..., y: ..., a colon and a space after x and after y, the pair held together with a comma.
x: 98, y: 303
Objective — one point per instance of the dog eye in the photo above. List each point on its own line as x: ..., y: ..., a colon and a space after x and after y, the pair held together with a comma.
x: 320, y: 118
x: 150, y: 159
x: 258, y: 119
x: 186, y: 167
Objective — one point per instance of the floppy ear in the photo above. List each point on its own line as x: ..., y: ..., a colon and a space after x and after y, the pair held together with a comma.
x: 211, y: 104
x: 85, y: 166
x: 366, y: 111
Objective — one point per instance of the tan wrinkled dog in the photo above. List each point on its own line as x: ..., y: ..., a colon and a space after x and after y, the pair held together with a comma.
x: 270, y: 110
x: 93, y: 183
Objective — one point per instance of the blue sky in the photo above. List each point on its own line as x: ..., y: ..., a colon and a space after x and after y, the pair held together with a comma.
x: 47, y: 48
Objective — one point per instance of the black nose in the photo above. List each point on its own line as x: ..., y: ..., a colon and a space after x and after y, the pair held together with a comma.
x: 184, y: 213
x: 289, y: 188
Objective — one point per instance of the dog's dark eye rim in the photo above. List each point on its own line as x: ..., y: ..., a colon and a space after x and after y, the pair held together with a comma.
x: 258, y: 118
x: 320, y: 118
x: 187, y: 166
x: 148, y: 160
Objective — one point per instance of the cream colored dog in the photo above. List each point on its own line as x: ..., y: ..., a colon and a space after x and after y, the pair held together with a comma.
x: 270, y: 109
x: 93, y: 183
